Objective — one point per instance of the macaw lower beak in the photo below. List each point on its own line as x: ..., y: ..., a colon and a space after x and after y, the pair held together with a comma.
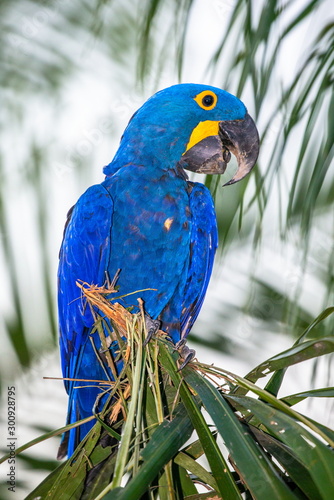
x: 212, y: 154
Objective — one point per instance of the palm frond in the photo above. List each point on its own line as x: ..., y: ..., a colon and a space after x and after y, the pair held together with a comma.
x: 140, y: 443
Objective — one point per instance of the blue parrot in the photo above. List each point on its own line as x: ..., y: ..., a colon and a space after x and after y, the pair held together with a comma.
x: 149, y: 223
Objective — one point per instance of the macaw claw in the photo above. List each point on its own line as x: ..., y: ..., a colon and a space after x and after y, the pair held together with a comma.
x: 152, y: 326
x: 185, y: 353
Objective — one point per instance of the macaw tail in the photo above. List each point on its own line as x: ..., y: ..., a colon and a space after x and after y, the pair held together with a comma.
x: 84, y: 394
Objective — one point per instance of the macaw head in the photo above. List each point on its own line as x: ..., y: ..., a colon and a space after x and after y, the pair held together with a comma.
x: 193, y: 126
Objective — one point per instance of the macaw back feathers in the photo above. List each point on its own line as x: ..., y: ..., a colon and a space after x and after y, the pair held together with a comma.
x: 149, y: 223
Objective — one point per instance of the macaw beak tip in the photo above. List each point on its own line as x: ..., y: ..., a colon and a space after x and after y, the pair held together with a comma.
x: 212, y: 154
x: 242, y: 139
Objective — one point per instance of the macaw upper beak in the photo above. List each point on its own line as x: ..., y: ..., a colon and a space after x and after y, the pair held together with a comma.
x: 212, y: 154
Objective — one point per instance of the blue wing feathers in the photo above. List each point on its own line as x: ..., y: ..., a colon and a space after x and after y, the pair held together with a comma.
x: 84, y: 256
x: 204, y: 242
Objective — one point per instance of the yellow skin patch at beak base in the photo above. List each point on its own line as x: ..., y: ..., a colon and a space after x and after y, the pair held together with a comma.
x: 201, y: 131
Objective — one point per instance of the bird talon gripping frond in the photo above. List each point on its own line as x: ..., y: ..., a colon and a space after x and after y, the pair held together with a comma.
x: 187, y: 355
x: 152, y: 327
x: 151, y: 228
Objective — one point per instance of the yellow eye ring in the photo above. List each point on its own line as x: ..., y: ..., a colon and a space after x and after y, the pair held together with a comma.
x: 206, y: 100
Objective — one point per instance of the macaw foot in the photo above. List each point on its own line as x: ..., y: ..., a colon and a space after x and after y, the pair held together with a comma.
x: 152, y: 326
x: 185, y: 353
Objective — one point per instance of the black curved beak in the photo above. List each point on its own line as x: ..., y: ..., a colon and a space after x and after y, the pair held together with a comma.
x: 212, y: 154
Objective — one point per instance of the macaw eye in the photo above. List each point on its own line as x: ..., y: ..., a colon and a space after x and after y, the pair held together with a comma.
x: 206, y: 100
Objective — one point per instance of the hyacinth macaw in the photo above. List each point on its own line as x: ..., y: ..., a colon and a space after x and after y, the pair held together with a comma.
x: 149, y: 221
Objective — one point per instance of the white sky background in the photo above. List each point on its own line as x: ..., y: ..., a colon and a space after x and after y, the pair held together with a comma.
x: 95, y: 107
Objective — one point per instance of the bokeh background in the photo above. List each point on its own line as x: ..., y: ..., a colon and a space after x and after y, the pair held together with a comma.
x: 72, y: 73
